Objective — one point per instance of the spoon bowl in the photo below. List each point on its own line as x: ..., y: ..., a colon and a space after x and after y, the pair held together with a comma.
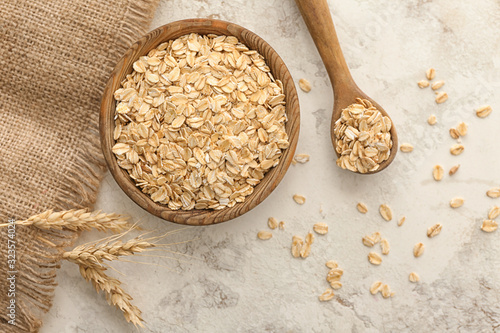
x: 318, y: 19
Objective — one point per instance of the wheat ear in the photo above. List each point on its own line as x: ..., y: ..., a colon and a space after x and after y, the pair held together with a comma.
x: 115, y: 295
x: 77, y: 220
x: 93, y: 254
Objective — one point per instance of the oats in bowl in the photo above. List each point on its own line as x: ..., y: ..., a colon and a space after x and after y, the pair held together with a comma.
x: 199, y: 122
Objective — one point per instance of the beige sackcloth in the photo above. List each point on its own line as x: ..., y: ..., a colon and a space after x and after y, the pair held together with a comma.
x: 55, y: 58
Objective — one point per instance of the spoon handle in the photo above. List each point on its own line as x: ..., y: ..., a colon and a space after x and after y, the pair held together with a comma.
x: 318, y: 19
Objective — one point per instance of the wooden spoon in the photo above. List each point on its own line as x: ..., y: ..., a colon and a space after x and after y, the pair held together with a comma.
x: 317, y: 17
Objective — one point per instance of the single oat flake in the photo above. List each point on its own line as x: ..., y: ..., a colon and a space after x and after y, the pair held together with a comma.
x: 423, y: 83
x: 483, y: 111
x: 327, y: 295
x: 376, y: 287
x: 489, y: 226
x: 418, y: 250
x: 494, y: 213
x: 374, y: 258
x: 384, y: 245
x: 305, y: 85
x: 321, y: 228
x: 434, y: 230
x: 300, y: 199
x: 432, y: 120
x: 281, y: 225
x: 272, y: 223
x: 494, y: 192
x: 430, y: 74
x: 406, y: 148
x: 334, y: 274
x: 386, y: 291
x: 438, y: 84
x: 462, y: 129
x: 401, y: 221
x: 438, y: 172
x: 386, y: 212
x: 336, y: 285
x: 297, y: 243
x: 331, y: 264
x: 301, y: 158
x: 453, y: 169
x: 457, y: 149
x: 441, y: 97
x: 362, y: 208
x: 456, y: 202
x: 454, y: 133
x: 264, y: 235
x: 413, y: 277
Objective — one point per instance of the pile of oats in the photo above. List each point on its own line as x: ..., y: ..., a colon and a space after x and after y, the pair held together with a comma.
x: 199, y: 122
x: 363, y: 138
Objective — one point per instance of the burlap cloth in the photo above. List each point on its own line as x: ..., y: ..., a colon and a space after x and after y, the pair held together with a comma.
x: 55, y: 58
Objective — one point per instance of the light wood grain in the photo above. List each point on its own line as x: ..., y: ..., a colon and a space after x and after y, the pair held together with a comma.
x: 124, y: 67
x: 318, y: 19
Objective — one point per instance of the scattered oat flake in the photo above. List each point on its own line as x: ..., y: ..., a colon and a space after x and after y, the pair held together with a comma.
x: 457, y: 149
x: 305, y: 85
x: 332, y: 264
x: 430, y: 74
x: 385, y: 212
x: 454, y: 133
x: 437, y: 172
x: 438, y: 84
x: 301, y: 158
x: 334, y: 274
x: 376, y: 237
x: 362, y: 208
x: 384, y: 245
x: 462, y: 129
x: 423, y: 83
x: 297, y: 243
x: 432, y: 120
x: 264, y: 235
x: 376, y: 287
x: 406, y: 148
x: 456, y: 202
x: 306, y: 248
x: 336, y: 285
x: 489, y: 226
x: 494, y: 213
x: 434, y: 230
x: 321, y: 228
x: 368, y: 241
x: 414, y: 277
x: 327, y: 295
x: 300, y: 199
x: 441, y: 97
x: 386, y: 291
x: 483, y: 111
x: 281, y: 225
x: 454, y: 169
x: 494, y: 192
x: 272, y: 223
x: 418, y: 249
x: 401, y: 221
x: 374, y: 258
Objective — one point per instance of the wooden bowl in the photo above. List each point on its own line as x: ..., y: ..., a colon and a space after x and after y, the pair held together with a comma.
x: 124, y: 67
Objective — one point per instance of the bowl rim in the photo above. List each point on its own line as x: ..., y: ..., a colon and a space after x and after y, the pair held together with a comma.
x: 108, y: 104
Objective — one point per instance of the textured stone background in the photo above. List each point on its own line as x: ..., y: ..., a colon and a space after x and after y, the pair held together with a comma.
x: 236, y: 283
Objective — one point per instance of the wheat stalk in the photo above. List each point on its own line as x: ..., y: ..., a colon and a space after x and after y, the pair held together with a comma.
x: 93, y: 254
x: 114, y: 293
x: 77, y: 220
